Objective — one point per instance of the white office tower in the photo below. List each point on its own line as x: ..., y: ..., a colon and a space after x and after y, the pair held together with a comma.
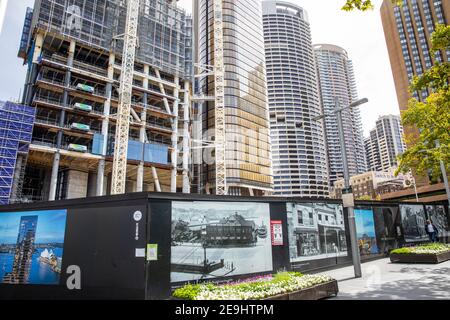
x: 385, y: 144
x: 298, y: 142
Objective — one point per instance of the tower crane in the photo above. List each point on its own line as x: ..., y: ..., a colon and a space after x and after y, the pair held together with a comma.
x: 219, y: 81
x: 119, y: 173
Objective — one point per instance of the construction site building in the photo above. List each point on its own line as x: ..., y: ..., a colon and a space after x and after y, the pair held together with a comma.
x: 73, y: 52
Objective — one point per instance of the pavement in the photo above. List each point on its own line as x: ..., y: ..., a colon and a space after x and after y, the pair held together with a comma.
x: 383, y: 280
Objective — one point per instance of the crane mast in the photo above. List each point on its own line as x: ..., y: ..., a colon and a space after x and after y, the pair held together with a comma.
x: 219, y: 79
x: 119, y: 173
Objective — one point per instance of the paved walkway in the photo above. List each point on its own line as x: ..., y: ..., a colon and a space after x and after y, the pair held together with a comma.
x: 383, y: 280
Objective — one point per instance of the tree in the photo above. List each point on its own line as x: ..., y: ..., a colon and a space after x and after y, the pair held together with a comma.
x: 362, y: 5
x: 431, y: 117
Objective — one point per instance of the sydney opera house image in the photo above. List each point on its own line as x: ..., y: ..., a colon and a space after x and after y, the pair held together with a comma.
x: 31, y: 247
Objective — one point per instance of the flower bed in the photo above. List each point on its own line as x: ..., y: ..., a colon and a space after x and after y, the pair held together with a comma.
x: 282, y: 284
x: 428, y: 253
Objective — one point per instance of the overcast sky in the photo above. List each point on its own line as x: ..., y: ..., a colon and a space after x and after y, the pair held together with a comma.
x: 361, y: 34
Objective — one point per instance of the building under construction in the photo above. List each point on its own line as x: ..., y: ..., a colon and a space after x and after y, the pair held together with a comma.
x: 73, y: 51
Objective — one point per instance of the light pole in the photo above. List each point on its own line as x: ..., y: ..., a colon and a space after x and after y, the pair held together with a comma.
x: 347, y: 192
x: 444, y: 174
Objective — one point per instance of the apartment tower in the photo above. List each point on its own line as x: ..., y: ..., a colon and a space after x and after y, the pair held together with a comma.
x: 298, y: 142
x: 337, y: 85
x: 385, y: 144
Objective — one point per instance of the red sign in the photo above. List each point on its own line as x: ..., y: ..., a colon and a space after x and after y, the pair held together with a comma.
x: 277, y: 233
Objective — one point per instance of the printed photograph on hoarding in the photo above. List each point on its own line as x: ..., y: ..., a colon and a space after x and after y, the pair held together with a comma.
x: 31, y: 247
x: 387, y: 228
x: 413, y: 222
x: 365, y: 230
x: 439, y: 217
x: 219, y: 239
x: 316, y: 231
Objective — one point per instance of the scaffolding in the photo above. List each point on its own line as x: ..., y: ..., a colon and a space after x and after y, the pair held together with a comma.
x: 162, y: 28
x: 16, y: 127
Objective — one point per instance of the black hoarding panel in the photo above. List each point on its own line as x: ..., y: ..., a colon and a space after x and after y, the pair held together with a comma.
x: 93, y: 249
x: 159, y: 230
x: 280, y: 253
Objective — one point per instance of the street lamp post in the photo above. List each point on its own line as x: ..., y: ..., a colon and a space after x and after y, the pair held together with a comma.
x: 445, y: 177
x: 347, y: 192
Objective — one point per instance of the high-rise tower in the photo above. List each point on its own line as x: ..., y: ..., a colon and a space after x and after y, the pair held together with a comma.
x: 337, y: 84
x: 408, y: 29
x: 248, y: 149
x: 385, y: 144
x: 298, y: 142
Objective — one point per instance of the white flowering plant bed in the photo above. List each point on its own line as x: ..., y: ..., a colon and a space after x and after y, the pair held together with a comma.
x: 260, y: 288
x: 429, y: 248
x: 428, y: 253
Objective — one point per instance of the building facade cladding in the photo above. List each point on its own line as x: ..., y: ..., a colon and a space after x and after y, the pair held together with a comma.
x: 385, y: 144
x: 298, y: 142
x: 408, y: 29
x: 248, y: 150
x: 337, y: 81
x: 74, y: 70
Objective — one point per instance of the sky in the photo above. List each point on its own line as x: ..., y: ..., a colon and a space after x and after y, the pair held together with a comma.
x: 360, y: 33
x: 51, y: 226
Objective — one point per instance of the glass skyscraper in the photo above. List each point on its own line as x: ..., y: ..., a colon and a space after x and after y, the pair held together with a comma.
x: 24, y: 251
x: 298, y: 142
x: 337, y: 83
x: 248, y: 150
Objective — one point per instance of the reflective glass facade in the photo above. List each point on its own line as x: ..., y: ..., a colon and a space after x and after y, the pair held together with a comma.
x: 247, y: 126
x: 298, y: 142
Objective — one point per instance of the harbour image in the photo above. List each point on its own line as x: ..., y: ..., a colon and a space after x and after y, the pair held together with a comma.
x: 31, y: 247
x: 219, y: 240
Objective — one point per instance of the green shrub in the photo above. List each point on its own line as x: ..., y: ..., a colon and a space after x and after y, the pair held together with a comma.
x: 188, y: 292
x: 428, y: 248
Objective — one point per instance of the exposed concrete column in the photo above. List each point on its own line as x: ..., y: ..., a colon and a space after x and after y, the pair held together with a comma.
x: 155, y: 177
x: 173, y: 181
x: 186, y: 138
x: 62, y: 120
x: 33, y: 69
x: 105, y: 127
x: 163, y: 91
x: 77, y: 184
x: 143, y: 132
x: 54, y: 177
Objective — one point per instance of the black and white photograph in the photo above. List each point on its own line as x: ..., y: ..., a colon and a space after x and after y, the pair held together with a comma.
x: 316, y: 231
x: 439, y: 218
x: 413, y: 222
x: 217, y: 239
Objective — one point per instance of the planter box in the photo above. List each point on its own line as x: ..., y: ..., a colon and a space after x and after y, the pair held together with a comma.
x: 420, y: 258
x: 321, y: 291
